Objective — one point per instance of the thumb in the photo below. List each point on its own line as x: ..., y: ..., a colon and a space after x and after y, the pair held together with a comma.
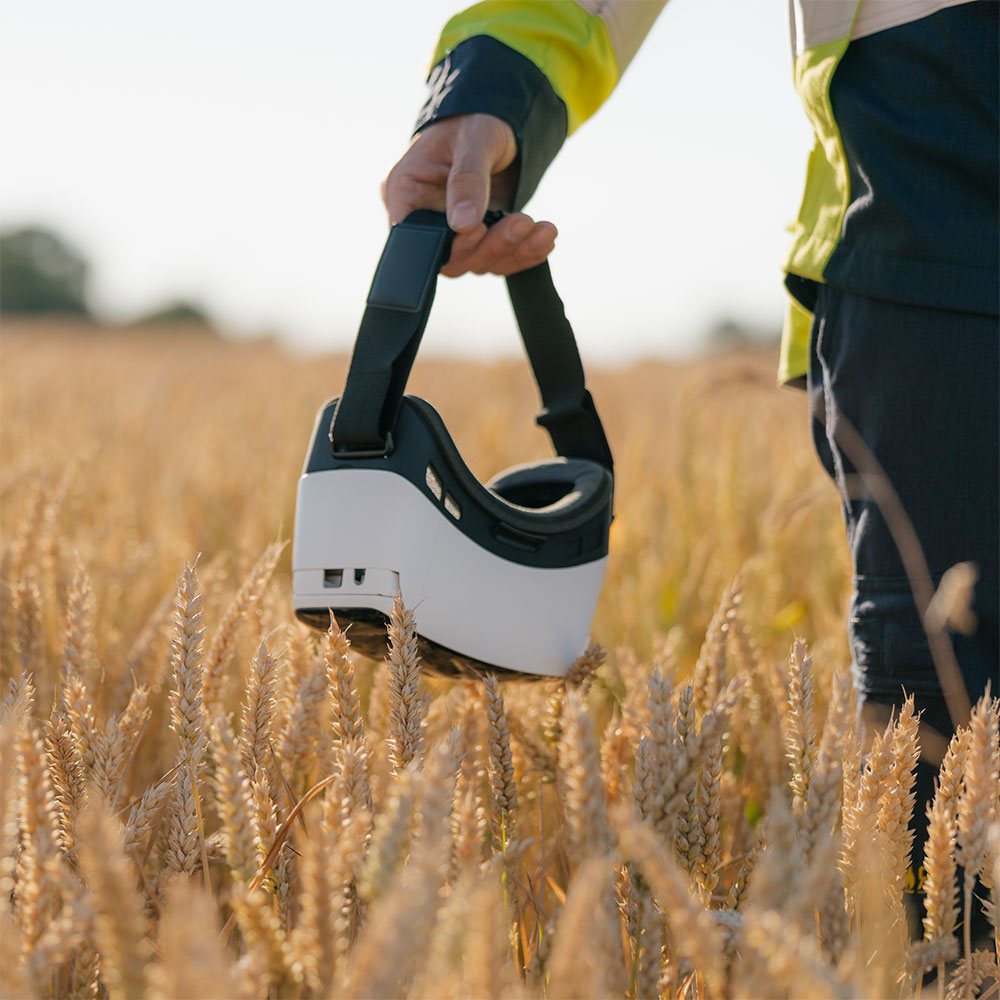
x: 468, y: 191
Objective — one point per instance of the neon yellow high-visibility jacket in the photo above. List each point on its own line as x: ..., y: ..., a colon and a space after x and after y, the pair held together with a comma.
x: 545, y: 66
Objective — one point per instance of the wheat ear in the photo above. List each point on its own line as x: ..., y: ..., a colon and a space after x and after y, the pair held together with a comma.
x: 185, y: 834
x: 939, y: 944
x: 78, y: 643
x: 896, y: 806
x: 387, y: 951
x: 322, y: 935
x: 793, y: 962
x: 710, y: 669
x: 407, y: 704
x: 823, y: 797
x: 970, y: 975
x: 799, y: 728
x: 118, y: 922
x: 234, y: 804
x: 66, y: 770
x: 115, y: 748
x: 39, y: 877
x: 655, y: 753
x: 257, y: 717
x: 977, y: 806
x: 29, y: 629
x: 389, y: 838
x: 146, y: 812
x: 347, y: 724
x: 220, y: 650
x: 860, y: 816
x: 501, y: 766
x: 191, y: 959
x: 707, y: 814
x: 468, y: 821
x: 303, y: 738
x: 187, y: 715
x: 590, y: 915
x: 586, y: 815
x: 693, y: 932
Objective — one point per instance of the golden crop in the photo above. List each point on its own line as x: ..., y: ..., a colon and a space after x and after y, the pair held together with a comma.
x: 202, y: 799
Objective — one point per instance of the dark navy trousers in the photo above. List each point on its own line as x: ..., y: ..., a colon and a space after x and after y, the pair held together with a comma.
x: 920, y: 387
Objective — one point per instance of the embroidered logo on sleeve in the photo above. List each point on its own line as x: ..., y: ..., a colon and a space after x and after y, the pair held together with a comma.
x: 439, y: 86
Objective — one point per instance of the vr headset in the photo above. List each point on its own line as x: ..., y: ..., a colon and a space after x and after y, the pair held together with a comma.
x: 503, y: 576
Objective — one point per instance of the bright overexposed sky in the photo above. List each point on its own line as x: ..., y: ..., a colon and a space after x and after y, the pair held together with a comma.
x: 233, y: 152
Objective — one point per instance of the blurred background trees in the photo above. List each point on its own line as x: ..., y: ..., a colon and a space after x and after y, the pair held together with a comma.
x: 44, y: 274
x: 41, y: 273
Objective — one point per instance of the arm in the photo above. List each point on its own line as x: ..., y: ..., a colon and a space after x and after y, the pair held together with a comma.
x: 511, y: 80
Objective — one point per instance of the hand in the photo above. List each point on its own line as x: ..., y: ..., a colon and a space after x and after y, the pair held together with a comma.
x: 462, y: 166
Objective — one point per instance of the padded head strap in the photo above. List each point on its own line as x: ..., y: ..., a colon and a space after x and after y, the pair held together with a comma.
x: 399, y: 303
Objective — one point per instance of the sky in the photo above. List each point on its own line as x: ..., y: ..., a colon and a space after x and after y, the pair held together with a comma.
x: 233, y: 153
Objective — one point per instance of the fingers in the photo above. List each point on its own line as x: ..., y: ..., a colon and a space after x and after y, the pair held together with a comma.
x: 514, y: 244
x: 457, y: 165
x: 460, y: 166
x: 416, y: 181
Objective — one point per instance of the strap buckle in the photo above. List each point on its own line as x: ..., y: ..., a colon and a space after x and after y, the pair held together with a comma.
x: 561, y: 417
x: 576, y: 430
x: 384, y: 452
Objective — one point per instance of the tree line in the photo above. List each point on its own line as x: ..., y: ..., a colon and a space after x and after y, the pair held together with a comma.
x: 43, y: 274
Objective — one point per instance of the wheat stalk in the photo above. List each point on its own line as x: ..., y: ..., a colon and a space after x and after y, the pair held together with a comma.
x: 978, y: 806
x: 347, y: 724
x: 799, y: 729
x: 220, y: 650
x: 407, y: 704
x: 500, y: 765
x: 710, y: 668
x: 583, y: 795
x: 257, y: 716
x: 191, y: 960
x: 302, y: 739
x: 119, y: 924
x: 234, y: 803
x: 694, y: 935
x: 39, y: 876
x: 589, y: 915
x: 66, y: 772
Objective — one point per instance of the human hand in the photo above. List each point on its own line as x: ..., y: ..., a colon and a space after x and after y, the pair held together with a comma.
x: 463, y: 166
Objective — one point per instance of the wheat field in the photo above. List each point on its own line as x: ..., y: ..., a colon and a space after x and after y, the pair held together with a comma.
x: 201, y: 798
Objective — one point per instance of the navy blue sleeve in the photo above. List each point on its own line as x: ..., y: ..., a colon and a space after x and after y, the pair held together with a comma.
x: 484, y: 76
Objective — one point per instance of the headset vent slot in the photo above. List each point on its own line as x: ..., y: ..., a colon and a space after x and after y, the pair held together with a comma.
x: 333, y: 577
x: 451, y: 505
x: 359, y: 577
x: 433, y: 482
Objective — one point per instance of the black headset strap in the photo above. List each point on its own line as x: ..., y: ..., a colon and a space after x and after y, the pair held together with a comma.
x: 398, y: 306
x: 568, y: 411
x: 399, y: 302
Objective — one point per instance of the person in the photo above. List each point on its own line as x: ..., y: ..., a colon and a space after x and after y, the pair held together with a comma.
x: 893, y: 278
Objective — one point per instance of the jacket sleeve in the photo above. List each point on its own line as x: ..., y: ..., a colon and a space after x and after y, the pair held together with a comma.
x: 542, y: 66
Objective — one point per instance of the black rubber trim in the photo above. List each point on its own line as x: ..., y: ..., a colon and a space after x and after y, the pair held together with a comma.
x: 572, y: 534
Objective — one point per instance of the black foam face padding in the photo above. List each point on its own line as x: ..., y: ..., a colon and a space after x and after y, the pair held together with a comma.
x: 551, y: 485
x: 564, y: 521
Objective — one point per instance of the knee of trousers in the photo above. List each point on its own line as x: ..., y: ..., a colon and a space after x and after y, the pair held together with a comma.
x: 889, y: 647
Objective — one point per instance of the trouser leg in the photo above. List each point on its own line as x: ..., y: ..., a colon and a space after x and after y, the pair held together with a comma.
x: 920, y: 387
